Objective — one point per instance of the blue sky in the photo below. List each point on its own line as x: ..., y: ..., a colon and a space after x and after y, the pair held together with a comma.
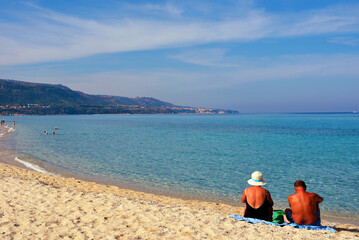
x: 251, y: 56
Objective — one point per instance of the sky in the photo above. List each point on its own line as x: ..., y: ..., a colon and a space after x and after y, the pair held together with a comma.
x: 255, y: 56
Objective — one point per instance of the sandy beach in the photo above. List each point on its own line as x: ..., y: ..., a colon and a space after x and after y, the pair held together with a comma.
x: 34, y: 205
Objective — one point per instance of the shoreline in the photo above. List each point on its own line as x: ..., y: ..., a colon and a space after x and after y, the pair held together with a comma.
x: 163, y: 193
x: 8, y: 157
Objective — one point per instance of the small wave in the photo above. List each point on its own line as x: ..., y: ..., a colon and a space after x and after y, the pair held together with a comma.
x: 11, y: 129
x: 33, y: 166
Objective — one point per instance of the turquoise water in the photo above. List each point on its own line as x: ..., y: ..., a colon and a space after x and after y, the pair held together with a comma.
x: 205, y: 155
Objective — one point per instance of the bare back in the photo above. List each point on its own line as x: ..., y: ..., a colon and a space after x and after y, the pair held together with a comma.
x: 304, y: 206
x: 256, y: 196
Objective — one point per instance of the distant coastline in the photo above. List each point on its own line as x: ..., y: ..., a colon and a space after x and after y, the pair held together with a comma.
x: 25, y: 98
x: 11, y: 110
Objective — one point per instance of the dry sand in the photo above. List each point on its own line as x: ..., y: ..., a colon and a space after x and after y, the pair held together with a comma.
x: 39, y: 206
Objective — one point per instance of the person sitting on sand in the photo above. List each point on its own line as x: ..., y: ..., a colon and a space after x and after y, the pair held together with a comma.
x: 259, y: 203
x: 304, y: 206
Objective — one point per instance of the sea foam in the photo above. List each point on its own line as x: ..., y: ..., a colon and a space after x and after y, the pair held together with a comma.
x: 11, y: 129
x: 33, y: 166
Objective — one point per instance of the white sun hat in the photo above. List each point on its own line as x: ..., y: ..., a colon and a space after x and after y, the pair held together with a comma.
x: 257, y: 179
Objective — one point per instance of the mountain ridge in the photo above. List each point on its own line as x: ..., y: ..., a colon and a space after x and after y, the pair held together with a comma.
x: 19, y: 97
x: 66, y: 95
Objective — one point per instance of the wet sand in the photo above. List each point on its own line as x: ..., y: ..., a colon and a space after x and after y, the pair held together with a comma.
x: 34, y: 205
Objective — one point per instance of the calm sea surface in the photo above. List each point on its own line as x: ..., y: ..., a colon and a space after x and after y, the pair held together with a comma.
x: 208, y: 156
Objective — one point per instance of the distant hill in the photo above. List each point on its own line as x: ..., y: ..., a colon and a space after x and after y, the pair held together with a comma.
x: 21, y: 93
x: 17, y: 97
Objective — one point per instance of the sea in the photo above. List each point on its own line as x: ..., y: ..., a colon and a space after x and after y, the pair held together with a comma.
x: 205, y: 157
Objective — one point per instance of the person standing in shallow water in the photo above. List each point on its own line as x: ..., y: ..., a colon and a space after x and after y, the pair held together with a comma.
x: 258, y: 201
x: 304, y: 206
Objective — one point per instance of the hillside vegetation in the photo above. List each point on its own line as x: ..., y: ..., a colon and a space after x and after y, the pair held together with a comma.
x: 17, y: 97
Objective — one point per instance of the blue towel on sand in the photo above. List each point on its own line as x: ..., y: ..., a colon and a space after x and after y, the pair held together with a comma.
x: 309, y: 227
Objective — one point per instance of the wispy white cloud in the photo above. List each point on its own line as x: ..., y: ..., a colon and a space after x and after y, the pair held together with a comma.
x: 333, y: 19
x: 167, y: 8
x: 290, y: 68
x: 210, y: 57
x: 302, y: 67
x: 51, y: 36
x: 345, y: 40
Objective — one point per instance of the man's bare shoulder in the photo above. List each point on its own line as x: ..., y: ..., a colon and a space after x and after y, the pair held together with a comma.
x: 312, y: 194
x: 317, y: 197
x: 291, y: 196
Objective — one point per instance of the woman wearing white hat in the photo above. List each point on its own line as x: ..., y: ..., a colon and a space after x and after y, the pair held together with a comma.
x: 259, y: 203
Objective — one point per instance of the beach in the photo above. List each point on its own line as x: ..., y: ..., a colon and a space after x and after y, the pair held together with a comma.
x: 39, y: 206
x: 35, y: 205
